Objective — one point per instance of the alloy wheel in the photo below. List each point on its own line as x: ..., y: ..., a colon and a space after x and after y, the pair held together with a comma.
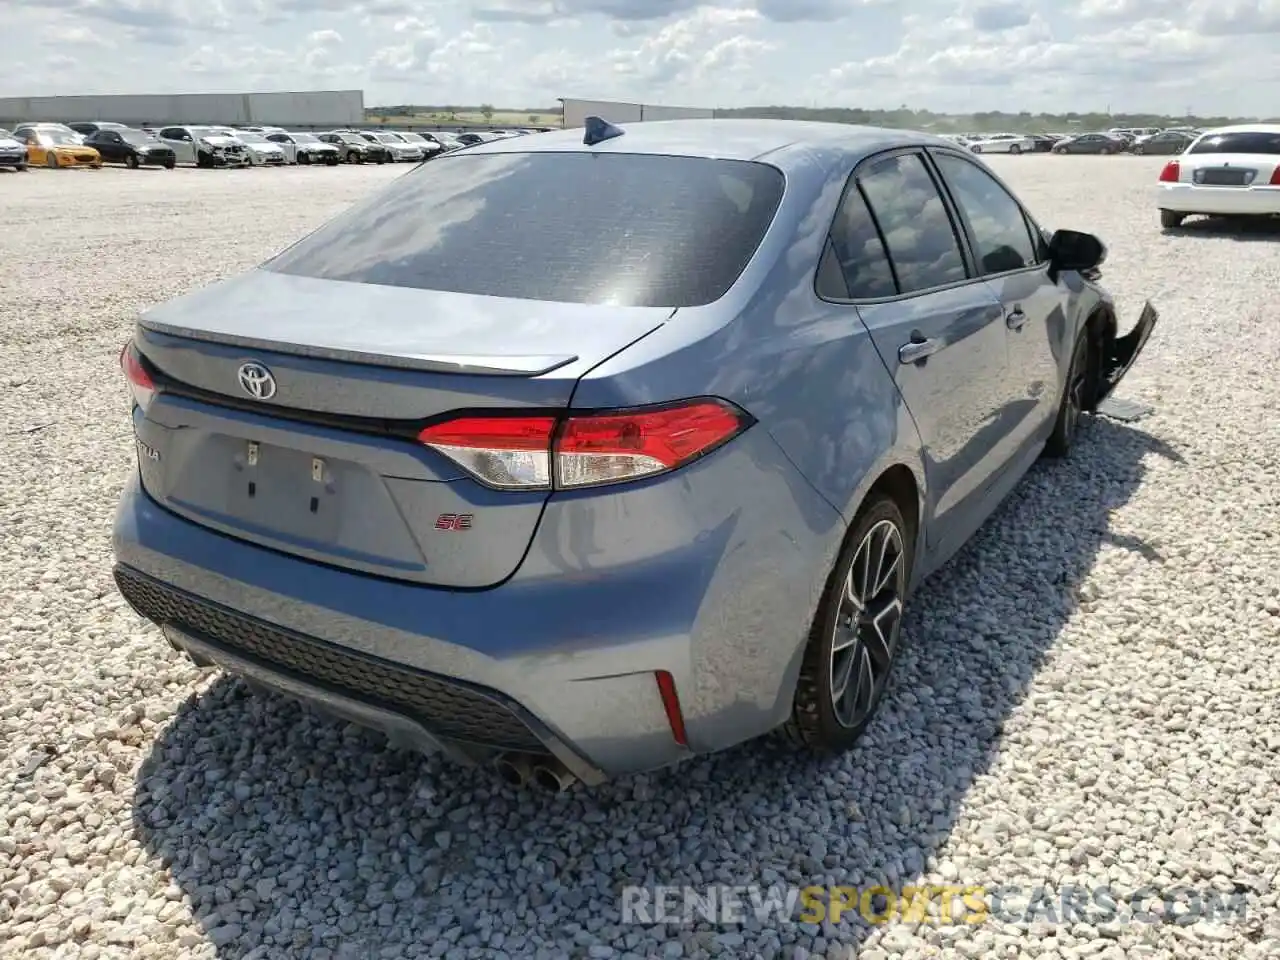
x: 867, y: 624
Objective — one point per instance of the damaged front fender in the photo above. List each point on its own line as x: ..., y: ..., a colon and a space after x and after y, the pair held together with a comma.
x: 1120, y: 353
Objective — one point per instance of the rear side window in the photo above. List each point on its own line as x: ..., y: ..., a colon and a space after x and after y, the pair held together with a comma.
x: 1001, y: 240
x: 859, y: 253
x: 617, y: 229
x: 914, y: 222
x: 1242, y: 142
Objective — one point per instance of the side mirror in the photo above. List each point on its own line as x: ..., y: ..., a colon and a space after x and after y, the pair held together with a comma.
x: 1073, y: 250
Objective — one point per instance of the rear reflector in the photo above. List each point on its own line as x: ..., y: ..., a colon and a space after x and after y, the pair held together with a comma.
x: 542, y: 453
x: 141, y: 386
x: 671, y: 704
x: 1170, y: 172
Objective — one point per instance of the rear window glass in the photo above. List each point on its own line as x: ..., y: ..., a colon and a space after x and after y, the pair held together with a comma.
x: 1244, y: 142
x: 617, y: 229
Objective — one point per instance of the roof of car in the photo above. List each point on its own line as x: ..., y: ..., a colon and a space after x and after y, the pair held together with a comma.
x: 1247, y: 128
x: 719, y: 139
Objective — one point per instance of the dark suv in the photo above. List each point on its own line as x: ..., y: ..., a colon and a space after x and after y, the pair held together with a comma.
x: 355, y: 148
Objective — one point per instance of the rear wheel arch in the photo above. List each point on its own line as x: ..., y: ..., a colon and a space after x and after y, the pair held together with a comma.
x: 899, y: 483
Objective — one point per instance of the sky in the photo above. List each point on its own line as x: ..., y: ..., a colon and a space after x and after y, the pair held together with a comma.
x: 1209, y: 57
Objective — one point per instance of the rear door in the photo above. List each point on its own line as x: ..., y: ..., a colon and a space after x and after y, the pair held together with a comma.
x: 1013, y: 260
x: 939, y: 330
x: 290, y: 399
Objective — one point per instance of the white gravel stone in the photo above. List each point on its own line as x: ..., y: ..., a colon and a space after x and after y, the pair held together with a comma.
x: 1088, y: 695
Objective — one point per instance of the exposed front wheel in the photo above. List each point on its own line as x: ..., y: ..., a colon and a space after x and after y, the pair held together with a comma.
x: 1075, y: 397
x: 303, y: 158
x: 854, y: 641
x: 1015, y: 149
x: 131, y: 161
x: 51, y: 161
x: 1171, y: 219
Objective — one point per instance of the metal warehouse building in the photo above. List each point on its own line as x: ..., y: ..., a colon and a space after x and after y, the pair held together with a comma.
x: 616, y: 111
x: 312, y: 108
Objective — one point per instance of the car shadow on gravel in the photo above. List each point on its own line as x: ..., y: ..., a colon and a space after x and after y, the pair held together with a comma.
x: 292, y: 835
x: 1240, y: 229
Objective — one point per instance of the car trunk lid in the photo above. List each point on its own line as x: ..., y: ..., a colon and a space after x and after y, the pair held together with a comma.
x: 319, y: 458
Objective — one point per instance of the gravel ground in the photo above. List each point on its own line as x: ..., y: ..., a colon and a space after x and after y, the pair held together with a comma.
x: 1089, y: 694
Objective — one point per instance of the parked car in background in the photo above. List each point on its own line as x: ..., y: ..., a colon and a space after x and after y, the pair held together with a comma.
x: 85, y: 128
x: 56, y: 146
x: 205, y: 147
x: 1100, y: 143
x: 1003, y: 143
x: 263, y: 130
x: 472, y: 138
x: 48, y: 127
x: 1169, y: 141
x: 429, y: 146
x: 399, y: 149
x: 704, y: 487
x: 305, y: 148
x: 355, y: 148
x: 1043, y: 142
x: 133, y: 148
x: 13, y: 152
x: 262, y: 152
x: 1225, y: 172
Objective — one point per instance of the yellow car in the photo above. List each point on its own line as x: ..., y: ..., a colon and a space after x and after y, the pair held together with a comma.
x: 54, y: 148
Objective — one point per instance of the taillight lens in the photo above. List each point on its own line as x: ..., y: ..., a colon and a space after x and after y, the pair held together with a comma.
x: 510, y: 453
x: 141, y: 385
x: 1170, y: 173
x: 1275, y: 177
x: 542, y: 453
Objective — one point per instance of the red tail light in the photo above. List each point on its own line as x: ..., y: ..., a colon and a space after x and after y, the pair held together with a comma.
x: 141, y: 385
x: 1171, y: 172
x: 542, y: 453
x: 671, y: 704
x: 1275, y: 177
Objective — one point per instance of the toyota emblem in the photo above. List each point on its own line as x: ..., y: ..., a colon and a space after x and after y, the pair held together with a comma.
x: 257, y: 381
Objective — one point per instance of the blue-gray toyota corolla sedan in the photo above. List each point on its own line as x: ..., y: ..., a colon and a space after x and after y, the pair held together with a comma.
x: 583, y: 455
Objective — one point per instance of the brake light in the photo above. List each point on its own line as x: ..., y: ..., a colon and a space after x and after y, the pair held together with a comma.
x: 1171, y: 172
x: 141, y: 386
x: 544, y: 453
x: 1275, y: 177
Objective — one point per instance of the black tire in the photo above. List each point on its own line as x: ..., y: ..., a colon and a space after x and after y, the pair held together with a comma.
x: 332, y: 162
x: 131, y: 161
x: 1076, y: 394
x: 50, y: 160
x: 1015, y: 149
x: 816, y: 723
x: 1171, y: 219
x: 976, y: 149
x: 203, y: 161
x: 170, y: 164
x: 22, y: 167
x: 381, y: 160
x: 304, y: 158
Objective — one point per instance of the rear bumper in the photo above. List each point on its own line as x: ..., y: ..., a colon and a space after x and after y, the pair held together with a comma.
x: 1224, y: 201
x: 709, y: 578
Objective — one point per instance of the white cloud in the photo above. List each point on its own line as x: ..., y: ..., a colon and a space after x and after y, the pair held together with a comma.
x: 1217, y: 56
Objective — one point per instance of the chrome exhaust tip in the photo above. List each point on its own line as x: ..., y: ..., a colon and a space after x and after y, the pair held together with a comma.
x: 514, y: 769
x: 553, y: 775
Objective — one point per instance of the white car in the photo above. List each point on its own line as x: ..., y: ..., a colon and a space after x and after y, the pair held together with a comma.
x: 400, y: 148
x: 429, y: 146
x: 305, y: 148
x: 1002, y: 143
x: 261, y: 150
x: 1226, y: 172
x: 204, y: 146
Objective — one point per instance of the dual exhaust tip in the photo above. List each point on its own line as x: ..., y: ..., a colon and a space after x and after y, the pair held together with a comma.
x: 548, y: 773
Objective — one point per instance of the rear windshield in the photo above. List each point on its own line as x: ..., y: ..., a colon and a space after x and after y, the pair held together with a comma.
x: 1244, y: 142
x: 618, y: 229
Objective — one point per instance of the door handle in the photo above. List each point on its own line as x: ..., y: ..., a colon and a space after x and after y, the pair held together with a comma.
x: 918, y: 350
x: 1016, y: 319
